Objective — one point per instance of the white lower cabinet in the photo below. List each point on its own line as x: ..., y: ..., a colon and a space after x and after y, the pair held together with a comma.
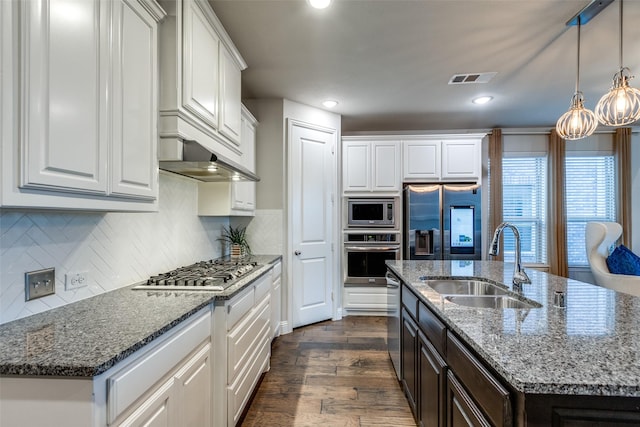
x: 156, y: 411
x: 241, y: 349
x: 182, y: 368
x: 249, y: 351
x: 276, y: 298
x: 166, y: 383
x: 201, y: 373
x: 365, y: 300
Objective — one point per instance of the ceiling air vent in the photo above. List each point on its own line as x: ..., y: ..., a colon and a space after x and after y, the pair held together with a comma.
x: 462, y: 79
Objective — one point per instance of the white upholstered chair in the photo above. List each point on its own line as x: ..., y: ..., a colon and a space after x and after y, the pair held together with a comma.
x: 599, y: 238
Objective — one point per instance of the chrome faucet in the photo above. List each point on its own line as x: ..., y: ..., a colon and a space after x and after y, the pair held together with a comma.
x: 519, y: 275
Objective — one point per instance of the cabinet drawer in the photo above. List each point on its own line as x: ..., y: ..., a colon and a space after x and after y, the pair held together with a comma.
x: 491, y: 396
x: 243, y: 341
x: 263, y: 287
x: 239, y: 392
x: 432, y: 327
x: 239, y: 306
x: 277, y: 270
x: 410, y: 301
x: 128, y: 384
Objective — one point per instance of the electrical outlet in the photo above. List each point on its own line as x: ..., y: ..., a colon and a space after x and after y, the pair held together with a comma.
x: 39, y: 283
x: 76, y: 280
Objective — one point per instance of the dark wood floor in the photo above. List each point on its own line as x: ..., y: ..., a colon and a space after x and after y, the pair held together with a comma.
x: 331, y: 374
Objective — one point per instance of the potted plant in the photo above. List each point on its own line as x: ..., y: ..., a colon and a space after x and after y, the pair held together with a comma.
x: 237, y: 238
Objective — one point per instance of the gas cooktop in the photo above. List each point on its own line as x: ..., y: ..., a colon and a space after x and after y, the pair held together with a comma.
x: 212, y: 275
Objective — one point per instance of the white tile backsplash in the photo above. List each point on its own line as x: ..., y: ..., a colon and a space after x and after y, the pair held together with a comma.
x: 265, y: 232
x: 116, y: 249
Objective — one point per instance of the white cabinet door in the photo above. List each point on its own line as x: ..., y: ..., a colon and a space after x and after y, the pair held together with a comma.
x: 244, y: 193
x: 230, y: 90
x: 356, y: 160
x: 63, y: 88
x: 370, y: 166
x: 200, y: 74
x: 461, y: 159
x: 233, y: 198
x: 85, y: 104
x: 386, y: 166
x: 421, y: 159
x: 134, y: 164
x: 157, y: 411
x: 276, y: 295
x: 193, y: 382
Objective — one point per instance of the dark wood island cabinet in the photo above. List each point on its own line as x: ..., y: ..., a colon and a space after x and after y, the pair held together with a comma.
x: 452, y: 380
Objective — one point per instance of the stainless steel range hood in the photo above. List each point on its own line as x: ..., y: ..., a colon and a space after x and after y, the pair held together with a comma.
x: 201, y: 164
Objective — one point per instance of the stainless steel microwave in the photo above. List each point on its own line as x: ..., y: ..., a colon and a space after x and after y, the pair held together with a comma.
x: 371, y: 212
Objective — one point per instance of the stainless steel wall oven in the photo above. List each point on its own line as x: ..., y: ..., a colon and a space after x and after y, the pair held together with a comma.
x: 365, y: 255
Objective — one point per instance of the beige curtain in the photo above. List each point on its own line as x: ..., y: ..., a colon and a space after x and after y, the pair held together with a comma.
x: 495, y: 183
x: 558, y: 212
x: 622, y: 150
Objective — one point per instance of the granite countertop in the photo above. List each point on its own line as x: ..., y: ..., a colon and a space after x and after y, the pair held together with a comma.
x: 590, y: 347
x: 85, y: 338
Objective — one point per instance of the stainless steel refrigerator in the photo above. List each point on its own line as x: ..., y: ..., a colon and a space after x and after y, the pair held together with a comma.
x: 442, y: 221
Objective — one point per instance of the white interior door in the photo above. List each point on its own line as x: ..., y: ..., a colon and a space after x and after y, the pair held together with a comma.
x: 312, y: 184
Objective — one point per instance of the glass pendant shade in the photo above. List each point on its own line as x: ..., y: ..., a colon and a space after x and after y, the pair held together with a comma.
x: 621, y: 105
x: 578, y: 122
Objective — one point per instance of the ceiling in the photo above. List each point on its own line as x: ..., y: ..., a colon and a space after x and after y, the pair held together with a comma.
x: 388, y: 62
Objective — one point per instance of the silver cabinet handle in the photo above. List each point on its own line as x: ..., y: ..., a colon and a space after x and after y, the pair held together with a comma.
x: 298, y: 253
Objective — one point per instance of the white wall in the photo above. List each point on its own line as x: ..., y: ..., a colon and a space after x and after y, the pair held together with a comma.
x: 270, y: 153
x: 117, y: 249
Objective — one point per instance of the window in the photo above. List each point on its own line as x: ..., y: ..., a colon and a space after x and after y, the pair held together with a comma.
x: 524, y: 187
x: 590, y: 196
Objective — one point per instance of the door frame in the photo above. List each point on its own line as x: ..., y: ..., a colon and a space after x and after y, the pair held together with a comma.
x: 335, y: 232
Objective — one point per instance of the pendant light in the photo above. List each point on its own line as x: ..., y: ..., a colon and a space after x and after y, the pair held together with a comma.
x: 621, y: 105
x: 578, y: 122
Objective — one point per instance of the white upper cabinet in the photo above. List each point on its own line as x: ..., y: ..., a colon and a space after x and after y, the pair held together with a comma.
x: 65, y: 146
x: 461, y: 159
x: 244, y: 193
x: 421, y: 159
x: 200, y: 64
x: 442, y: 158
x: 233, y: 198
x: 82, y: 90
x: 134, y: 157
x: 369, y: 166
x: 386, y: 166
x: 230, y: 106
x: 356, y: 165
x: 200, y: 80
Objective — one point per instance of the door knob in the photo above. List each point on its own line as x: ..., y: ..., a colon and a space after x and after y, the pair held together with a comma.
x: 297, y: 253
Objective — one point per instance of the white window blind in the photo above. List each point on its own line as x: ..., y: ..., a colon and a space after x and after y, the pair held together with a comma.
x: 590, y: 196
x: 524, y: 188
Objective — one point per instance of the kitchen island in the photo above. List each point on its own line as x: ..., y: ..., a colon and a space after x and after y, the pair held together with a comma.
x: 80, y: 364
x: 555, y: 365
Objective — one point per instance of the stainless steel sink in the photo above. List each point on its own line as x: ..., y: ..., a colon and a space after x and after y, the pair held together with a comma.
x: 491, y: 301
x: 478, y: 293
x: 465, y: 287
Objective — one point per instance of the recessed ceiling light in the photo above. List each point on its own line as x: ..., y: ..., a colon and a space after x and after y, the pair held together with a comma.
x: 482, y: 100
x: 320, y: 4
x: 329, y: 103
